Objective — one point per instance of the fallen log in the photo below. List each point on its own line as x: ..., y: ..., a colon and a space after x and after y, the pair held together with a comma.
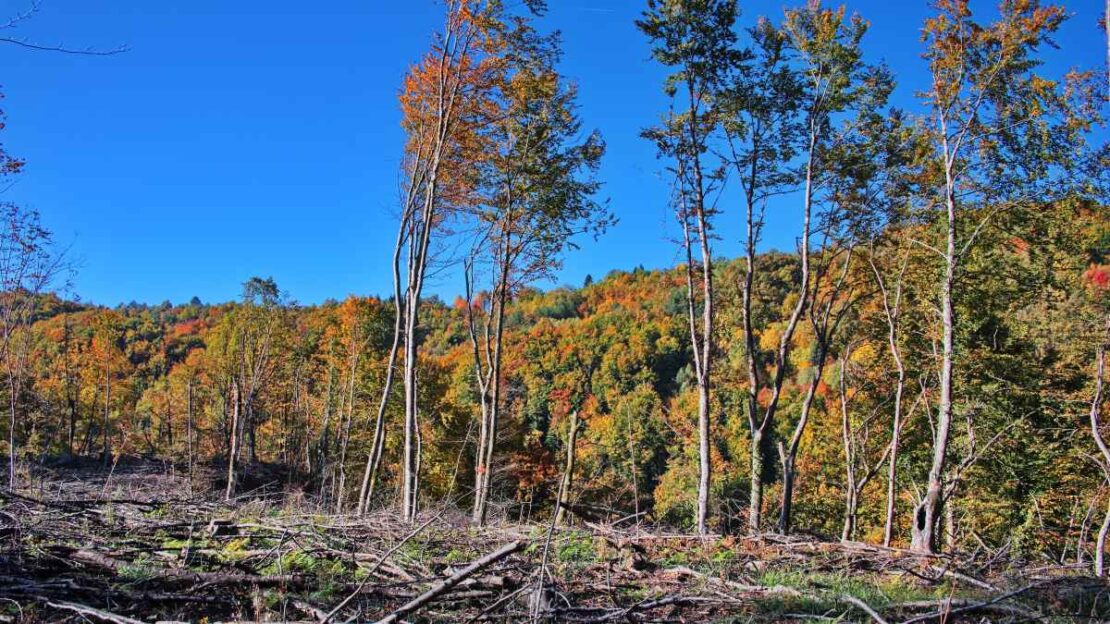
x: 448, y: 583
x: 106, y: 616
x: 946, y: 611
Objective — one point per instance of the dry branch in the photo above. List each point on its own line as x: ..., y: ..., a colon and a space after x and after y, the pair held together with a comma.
x: 446, y: 585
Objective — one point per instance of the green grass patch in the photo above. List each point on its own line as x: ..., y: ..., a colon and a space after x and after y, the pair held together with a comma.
x: 577, y: 547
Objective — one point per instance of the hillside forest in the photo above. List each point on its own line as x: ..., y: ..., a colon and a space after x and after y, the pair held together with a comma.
x: 924, y: 370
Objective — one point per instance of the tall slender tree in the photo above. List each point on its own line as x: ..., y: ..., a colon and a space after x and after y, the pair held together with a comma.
x: 841, y: 98
x: 1100, y: 442
x: 441, y: 104
x: 695, y: 38
x: 764, y: 134
x: 1003, y: 138
x: 538, y: 194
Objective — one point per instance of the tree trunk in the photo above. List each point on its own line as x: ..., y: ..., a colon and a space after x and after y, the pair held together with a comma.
x: 323, y: 450
x: 568, y: 470
x: 345, y: 440
x: 787, y: 458
x: 252, y: 446
x: 189, y: 431
x: 925, y: 516
x: 377, y: 444
x: 490, y: 389
x: 893, y: 313
x: 1096, y: 433
x: 106, y: 450
x: 892, y: 471
x: 848, y: 533
x: 755, y: 498
x: 71, y: 398
x: 233, y: 443
x: 72, y: 434
x: 1100, y: 544
x: 789, y: 454
x: 704, y: 456
x: 851, y: 502
x: 409, y: 460
x: 11, y: 429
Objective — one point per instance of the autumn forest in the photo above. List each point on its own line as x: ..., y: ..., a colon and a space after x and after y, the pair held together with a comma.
x: 923, y: 374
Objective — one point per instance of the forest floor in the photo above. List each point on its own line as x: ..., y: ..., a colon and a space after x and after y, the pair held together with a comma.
x: 131, y: 544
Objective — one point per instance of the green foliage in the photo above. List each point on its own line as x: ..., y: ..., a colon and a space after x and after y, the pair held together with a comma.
x: 576, y: 548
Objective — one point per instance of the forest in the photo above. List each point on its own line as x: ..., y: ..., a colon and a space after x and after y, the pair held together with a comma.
x: 901, y: 419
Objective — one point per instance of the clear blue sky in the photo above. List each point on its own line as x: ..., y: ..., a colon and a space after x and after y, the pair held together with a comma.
x: 261, y: 137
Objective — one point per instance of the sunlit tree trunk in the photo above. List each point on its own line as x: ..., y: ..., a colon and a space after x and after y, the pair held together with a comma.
x: 1096, y: 433
x: 925, y: 515
x: 341, y: 487
x: 377, y: 443
x: 233, y: 443
x: 892, y: 309
x: 486, y: 345
x: 12, y: 421
x: 568, y: 469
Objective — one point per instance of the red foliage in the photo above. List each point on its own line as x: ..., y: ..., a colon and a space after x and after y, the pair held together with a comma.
x: 1097, y: 277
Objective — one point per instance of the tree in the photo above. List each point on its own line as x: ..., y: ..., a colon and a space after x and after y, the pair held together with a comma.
x: 245, y: 351
x: 827, y: 309
x: 842, y: 100
x: 537, y: 195
x: 108, y: 345
x: 28, y: 268
x: 1001, y: 136
x: 1096, y: 434
x: 860, y: 462
x: 440, y: 104
x: 696, y: 39
x: 762, y: 135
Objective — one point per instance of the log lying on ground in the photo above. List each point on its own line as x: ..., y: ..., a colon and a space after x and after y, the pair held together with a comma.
x: 89, y: 612
x: 446, y: 584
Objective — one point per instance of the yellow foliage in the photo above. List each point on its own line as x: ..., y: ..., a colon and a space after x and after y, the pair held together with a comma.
x: 864, y: 354
x: 770, y: 337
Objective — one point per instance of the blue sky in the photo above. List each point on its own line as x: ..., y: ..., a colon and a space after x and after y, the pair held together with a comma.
x: 261, y: 138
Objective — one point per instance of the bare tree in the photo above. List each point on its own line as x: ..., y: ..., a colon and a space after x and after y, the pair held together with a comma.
x: 891, y: 298
x: 15, y: 20
x: 29, y: 267
x: 860, y: 464
x: 377, y: 443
